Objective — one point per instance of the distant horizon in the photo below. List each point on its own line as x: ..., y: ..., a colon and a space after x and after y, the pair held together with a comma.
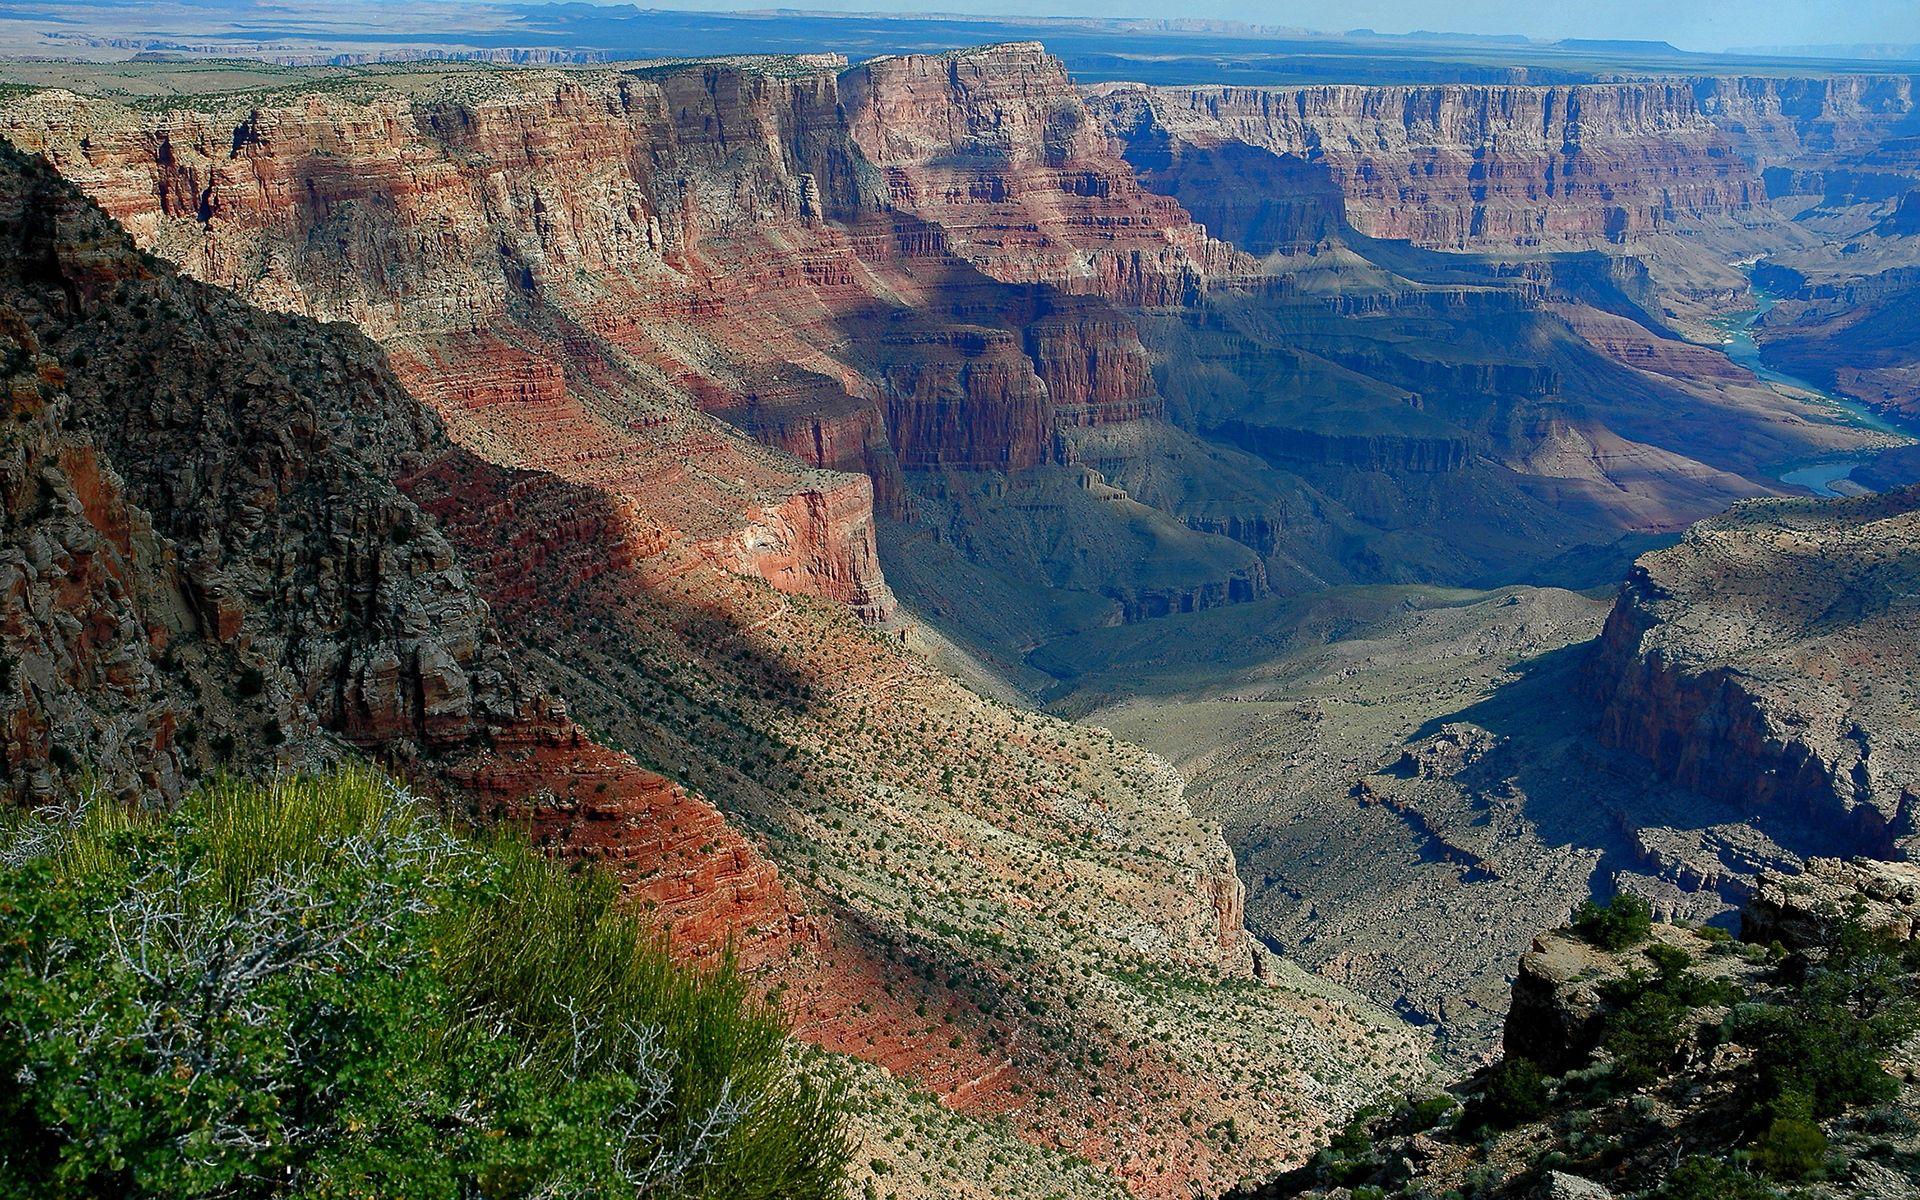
x: 1702, y: 26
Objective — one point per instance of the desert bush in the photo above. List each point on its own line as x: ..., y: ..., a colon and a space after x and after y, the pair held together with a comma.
x: 310, y: 988
x: 1701, y: 1178
x: 1513, y: 1092
x: 1846, y: 1013
x: 1644, y: 1031
x: 1643, y: 1040
x: 1620, y: 924
x: 1792, y: 1147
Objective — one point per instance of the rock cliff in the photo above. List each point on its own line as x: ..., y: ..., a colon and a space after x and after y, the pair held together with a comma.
x: 911, y: 264
x: 1458, y: 166
x: 996, y: 148
x: 535, y: 257
x: 725, y: 289
x: 1807, y: 121
x: 1768, y: 659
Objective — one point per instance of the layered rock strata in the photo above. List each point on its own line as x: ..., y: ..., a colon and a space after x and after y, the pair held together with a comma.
x: 909, y: 264
x: 1458, y: 166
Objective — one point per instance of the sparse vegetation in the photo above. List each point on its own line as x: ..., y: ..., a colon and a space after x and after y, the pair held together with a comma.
x: 1701, y: 1178
x: 1712, y: 1074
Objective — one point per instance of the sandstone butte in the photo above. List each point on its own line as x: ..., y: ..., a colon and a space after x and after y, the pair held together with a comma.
x: 1760, y: 662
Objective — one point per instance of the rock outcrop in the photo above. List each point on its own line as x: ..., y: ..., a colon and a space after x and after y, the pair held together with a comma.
x: 995, y: 147
x: 1664, y: 1063
x: 1767, y: 659
x: 1804, y: 909
x: 1564, y: 991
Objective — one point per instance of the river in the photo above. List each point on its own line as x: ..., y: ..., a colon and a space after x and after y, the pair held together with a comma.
x: 1820, y: 475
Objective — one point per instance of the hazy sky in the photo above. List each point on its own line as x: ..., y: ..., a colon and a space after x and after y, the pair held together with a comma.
x: 1689, y: 24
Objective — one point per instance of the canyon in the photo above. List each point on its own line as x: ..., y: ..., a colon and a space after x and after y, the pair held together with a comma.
x: 939, y: 272
x: 1020, y: 564
x: 236, y: 540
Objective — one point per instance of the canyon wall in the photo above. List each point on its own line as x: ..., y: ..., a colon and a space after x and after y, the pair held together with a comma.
x: 727, y: 291
x: 1460, y: 166
x: 210, y: 566
x: 1766, y: 661
x: 532, y: 255
x: 909, y: 265
x: 960, y: 885
x: 999, y: 150
x: 1804, y: 122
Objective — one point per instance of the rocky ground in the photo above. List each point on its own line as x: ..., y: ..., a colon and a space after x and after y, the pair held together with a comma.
x: 1022, y: 914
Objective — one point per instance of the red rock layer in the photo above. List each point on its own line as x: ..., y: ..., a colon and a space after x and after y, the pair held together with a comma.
x: 77, y: 637
x: 705, y: 887
x: 1460, y: 166
x: 1634, y: 345
x: 911, y: 264
x: 995, y: 147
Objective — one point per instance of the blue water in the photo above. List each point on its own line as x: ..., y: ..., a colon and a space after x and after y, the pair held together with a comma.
x: 1820, y: 476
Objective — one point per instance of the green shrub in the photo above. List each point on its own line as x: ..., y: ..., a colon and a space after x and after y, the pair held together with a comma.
x: 310, y: 989
x: 1668, y: 961
x: 1643, y: 1037
x: 1644, y: 1031
x: 1356, y: 1139
x: 1846, y: 1014
x: 1427, y: 1113
x: 1699, y: 1178
x: 1513, y: 1092
x: 1791, y: 1148
x: 1620, y: 924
